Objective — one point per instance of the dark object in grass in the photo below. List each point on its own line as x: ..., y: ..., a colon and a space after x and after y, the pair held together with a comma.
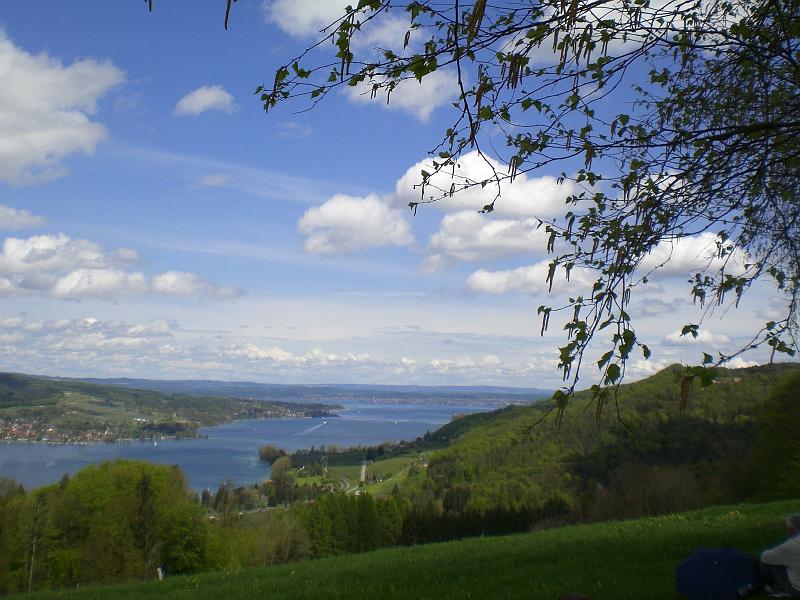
x: 717, y: 574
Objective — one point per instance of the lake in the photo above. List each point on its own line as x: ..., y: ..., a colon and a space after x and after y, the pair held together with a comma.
x: 231, y: 450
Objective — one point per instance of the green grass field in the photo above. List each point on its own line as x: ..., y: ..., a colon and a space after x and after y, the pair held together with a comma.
x: 392, y: 470
x: 384, y: 488
x: 311, y: 480
x: 351, y: 472
x: 630, y: 560
x: 390, y: 466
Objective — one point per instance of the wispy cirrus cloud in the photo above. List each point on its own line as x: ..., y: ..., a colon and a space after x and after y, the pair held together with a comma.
x: 14, y: 218
x: 295, y: 131
x: 215, y: 180
x: 254, y: 181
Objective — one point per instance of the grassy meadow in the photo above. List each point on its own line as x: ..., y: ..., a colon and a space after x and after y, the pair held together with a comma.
x: 388, y: 471
x: 627, y: 560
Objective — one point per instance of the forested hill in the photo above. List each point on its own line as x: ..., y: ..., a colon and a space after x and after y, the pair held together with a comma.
x: 36, y: 408
x: 735, y: 393
x: 687, y: 458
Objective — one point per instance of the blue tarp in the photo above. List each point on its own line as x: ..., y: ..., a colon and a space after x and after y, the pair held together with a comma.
x: 716, y: 574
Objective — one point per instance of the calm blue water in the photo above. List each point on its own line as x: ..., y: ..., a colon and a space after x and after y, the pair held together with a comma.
x: 231, y: 450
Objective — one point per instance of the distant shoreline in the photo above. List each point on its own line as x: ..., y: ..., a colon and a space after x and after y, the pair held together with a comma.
x: 172, y: 438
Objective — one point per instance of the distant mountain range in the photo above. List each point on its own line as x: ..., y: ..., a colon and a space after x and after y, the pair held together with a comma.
x: 308, y: 392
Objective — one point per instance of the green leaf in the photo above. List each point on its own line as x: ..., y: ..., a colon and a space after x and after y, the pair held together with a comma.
x: 694, y: 330
x: 613, y: 373
x: 485, y: 113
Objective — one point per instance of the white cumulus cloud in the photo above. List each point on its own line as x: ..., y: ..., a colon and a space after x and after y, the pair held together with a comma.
x: 41, y: 254
x: 348, y: 223
x: 302, y: 18
x: 537, y: 197
x: 740, y: 363
x: 275, y: 355
x: 645, y: 368
x: 418, y: 98
x: 98, y: 283
x: 526, y: 280
x: 254, y: 352
x: 705, y: 337
x: 61, y: 267
x: 469, y: 236
x: 14, y: 218
x: 307, y: 18
x: 689, y: 255
x: 208, y: 97
x: 45, y: 110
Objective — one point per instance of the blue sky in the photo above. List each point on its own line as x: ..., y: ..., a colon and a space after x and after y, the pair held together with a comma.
x: 156, y: 223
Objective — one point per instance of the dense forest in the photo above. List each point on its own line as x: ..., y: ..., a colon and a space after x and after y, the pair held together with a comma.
x: 111, y: 522
x: 486, y: 474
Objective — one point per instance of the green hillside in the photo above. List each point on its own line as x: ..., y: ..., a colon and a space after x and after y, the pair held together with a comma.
x: 735, y: 392
x: 627, y: 560
x: 678, y: 460
x: 37, y: 408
